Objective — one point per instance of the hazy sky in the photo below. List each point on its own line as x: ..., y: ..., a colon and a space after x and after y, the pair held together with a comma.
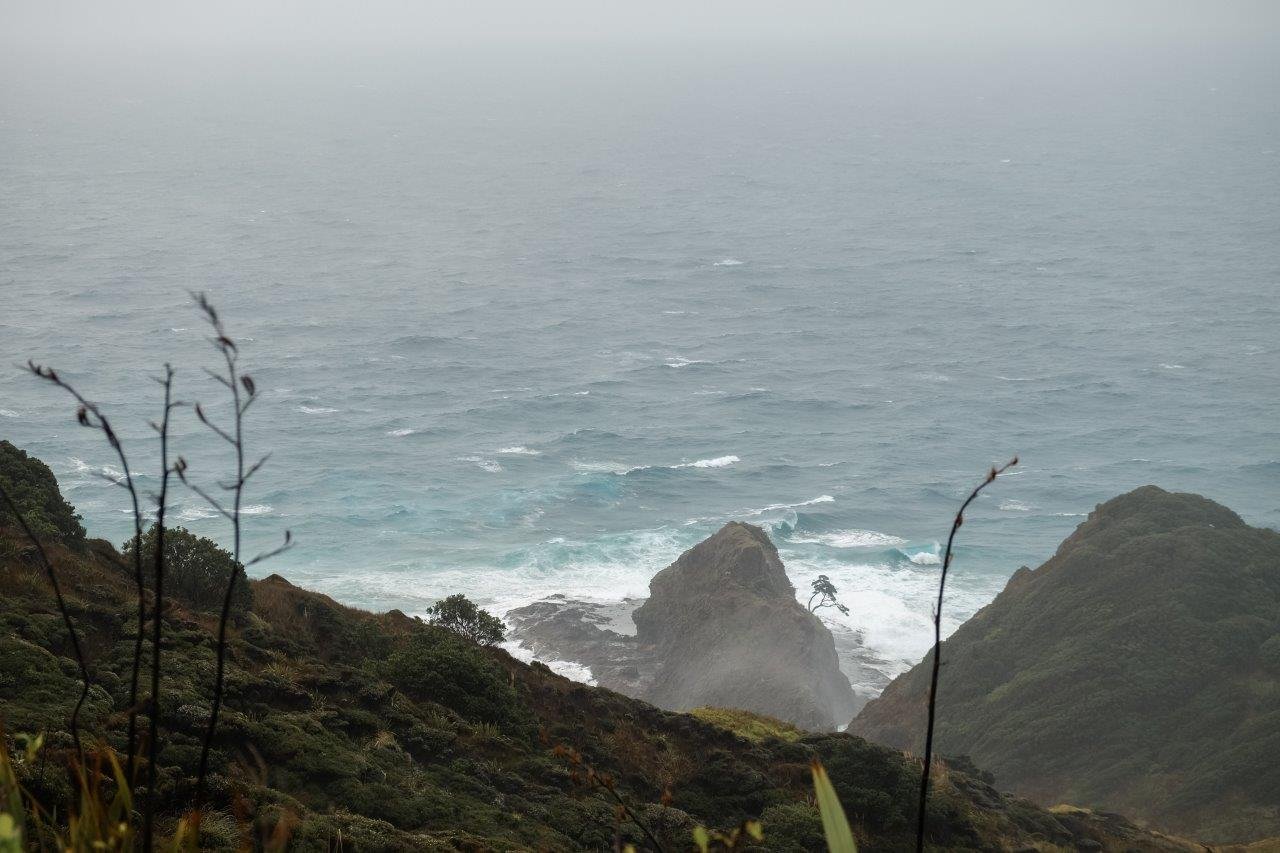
x: 121, y: 23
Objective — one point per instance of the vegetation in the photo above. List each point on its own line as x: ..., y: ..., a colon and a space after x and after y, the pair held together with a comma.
x: 460, y: 615
x: 1134, y: 672
x: 33, y: 488
x: 197, y: 570
x: 749, y: 726
x: 398, y: 735
x: 824, y: 595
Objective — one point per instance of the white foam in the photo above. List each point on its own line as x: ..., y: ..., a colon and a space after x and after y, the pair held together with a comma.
x: 316, y: 410
x: 891, y: 608
x: 569, y: 669
x: 519, y: 450
x: 728, y: 262
x: 196, y: 512
x: 79, y: 466
x: 678, y: 361
x: 765, y: 510
x: 718, y: 462
x: 621, y: 469
x: 483, y: 464
x: 8, y: 413
x: 400, y: 433
x: 1014, y: 506
x: 256, y: 509
x: 1173, y: 366
x: 852, y: 539
x: 606, y: 571
x: 890, y: 604
x: 603, y: 467
x: 927, y: 558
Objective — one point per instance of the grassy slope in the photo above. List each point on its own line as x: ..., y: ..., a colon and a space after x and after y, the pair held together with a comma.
x: 1137, y: 670
x: 316, y: 725
x: 406, y: 737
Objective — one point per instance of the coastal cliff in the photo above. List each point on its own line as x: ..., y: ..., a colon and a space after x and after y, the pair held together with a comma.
x: 1137, y: 670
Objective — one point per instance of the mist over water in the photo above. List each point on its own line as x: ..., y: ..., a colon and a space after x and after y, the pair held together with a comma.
x: 535, y: 321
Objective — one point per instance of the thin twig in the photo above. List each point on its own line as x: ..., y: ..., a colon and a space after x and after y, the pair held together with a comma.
x: 153, y: 731
x: 243, y: 393
x: 90, y: 415
x: 66, y: 619
x: 937, y: 646
x: 605, y: 782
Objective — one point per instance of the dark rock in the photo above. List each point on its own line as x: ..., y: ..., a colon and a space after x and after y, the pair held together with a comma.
x: 722, y: 627
x: 727, y: 631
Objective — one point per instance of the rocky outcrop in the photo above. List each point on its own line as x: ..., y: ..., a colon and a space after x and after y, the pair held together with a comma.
x: 722, y: 627
x: 727, y: 630
x: 1138, y: 670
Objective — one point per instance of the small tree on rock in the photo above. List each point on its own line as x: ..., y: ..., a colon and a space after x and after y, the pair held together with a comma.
x: 824, y: 595
x: 461, y: 615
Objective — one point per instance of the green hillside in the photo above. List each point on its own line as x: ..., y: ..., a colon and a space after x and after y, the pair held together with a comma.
x: 393, y: 735
x: 1137, y: 670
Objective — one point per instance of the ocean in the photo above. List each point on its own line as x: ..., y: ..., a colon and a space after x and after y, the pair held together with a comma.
x: 535, y: 320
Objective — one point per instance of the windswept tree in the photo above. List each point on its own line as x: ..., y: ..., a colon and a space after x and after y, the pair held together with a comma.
x: 461, y: 615
x: 824, y: 595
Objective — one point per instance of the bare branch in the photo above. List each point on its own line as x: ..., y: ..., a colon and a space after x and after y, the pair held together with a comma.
x: 243, y: 393
x: 157, y: 620
x: 88, y: 414
x: 267, y: 555
x: 211, y: 425
x: 207, y: 497
x: 937, y: 646
x: 219, y: 377
x: 253, y: 469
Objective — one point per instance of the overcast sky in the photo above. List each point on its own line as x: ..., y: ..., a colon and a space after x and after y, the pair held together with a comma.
x: 50, y: 23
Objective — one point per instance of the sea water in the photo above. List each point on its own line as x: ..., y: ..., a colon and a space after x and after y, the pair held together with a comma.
x: 535, y: 320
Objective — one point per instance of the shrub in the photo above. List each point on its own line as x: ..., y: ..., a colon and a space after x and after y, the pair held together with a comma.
x: 196, y: 570
x: 435, y: 665
x: 460, y: 615
x: 792, y: 828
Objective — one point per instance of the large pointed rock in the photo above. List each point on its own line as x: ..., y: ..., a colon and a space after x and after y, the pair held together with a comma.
x: 726, y: 629
x: 721, y: 627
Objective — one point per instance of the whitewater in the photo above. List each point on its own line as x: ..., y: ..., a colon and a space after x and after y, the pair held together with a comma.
x: 530, y: 324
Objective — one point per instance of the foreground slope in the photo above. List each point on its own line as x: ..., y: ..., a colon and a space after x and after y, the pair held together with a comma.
x: 1138, y: 670
x: 405, y: 737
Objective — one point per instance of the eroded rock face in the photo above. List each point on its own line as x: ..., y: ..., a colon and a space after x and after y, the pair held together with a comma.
x: 721, y: 627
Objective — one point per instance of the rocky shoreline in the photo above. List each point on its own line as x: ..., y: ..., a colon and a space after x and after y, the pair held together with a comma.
x: 722, y: 626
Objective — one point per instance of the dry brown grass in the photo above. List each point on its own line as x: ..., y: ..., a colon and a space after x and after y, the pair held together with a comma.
x: 654, y: 757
